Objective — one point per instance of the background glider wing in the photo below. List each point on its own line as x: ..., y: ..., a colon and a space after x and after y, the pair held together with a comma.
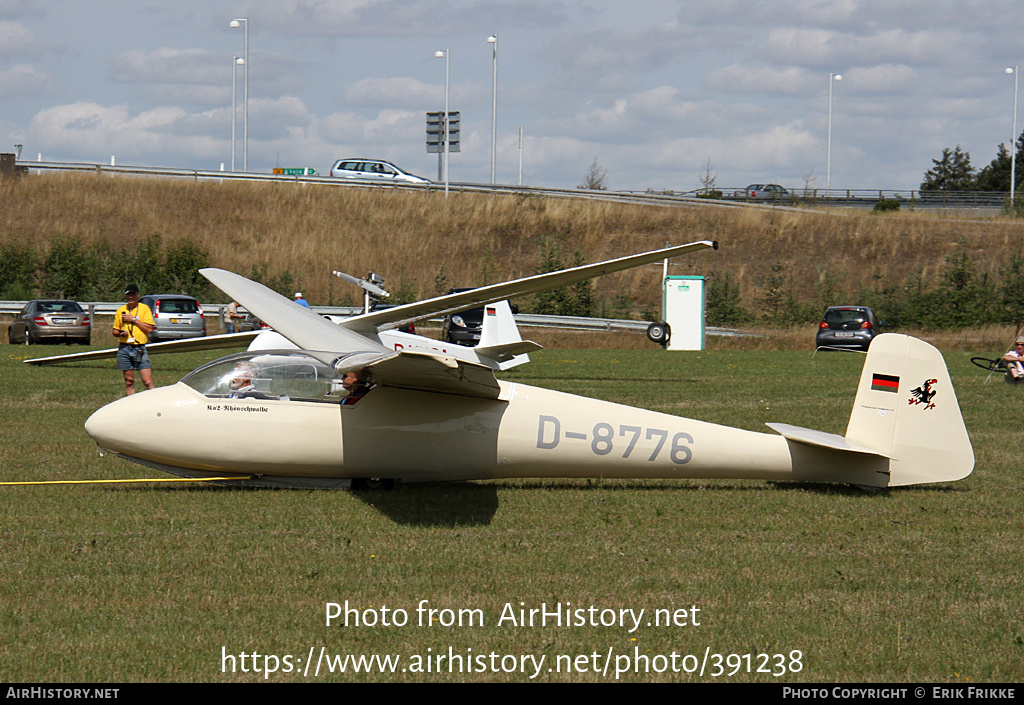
x: 370, y: 323
x: 306, y: 329
x: 212, y: 342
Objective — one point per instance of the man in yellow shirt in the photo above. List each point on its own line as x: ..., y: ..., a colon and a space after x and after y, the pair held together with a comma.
x: 133, y: 323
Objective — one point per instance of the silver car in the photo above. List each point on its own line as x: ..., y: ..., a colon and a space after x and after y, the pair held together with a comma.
x: 373, y: 170
x: 763, y: 191
x: 51, y: 321
x: 176, y: 317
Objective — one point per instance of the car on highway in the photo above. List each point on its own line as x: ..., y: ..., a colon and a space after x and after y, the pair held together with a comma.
x: 51, y: 321
x: 177, y: 316
x: 763, y: 191
x: 373, y: 170
x: 849, y: 327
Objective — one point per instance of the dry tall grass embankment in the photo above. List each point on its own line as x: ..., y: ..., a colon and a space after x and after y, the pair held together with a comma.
x: 422, y: 242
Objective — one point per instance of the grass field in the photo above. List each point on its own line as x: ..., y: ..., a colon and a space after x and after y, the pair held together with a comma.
x: 122, y: 583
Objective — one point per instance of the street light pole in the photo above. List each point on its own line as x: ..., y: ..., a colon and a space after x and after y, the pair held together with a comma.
x: 1013, y: 140
x: 493, y: 39
x: 520, y: 155
x: 828, y: 160
x: 235, y: 62
x: 446, y: 54
x: 236, y: 23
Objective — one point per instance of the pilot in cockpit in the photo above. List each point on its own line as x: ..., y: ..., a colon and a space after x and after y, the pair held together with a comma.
x: 242, y: 377
x: 357, y: 383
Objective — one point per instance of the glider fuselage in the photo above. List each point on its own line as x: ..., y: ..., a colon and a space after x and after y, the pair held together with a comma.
x: 425, y: 436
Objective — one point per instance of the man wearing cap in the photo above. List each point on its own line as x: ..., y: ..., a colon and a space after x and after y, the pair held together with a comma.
x: 1015, y: 362
x: 133, y: 323
x: 299, y: 300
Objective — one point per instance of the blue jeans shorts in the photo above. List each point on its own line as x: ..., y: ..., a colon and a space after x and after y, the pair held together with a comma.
x: 132, y: 357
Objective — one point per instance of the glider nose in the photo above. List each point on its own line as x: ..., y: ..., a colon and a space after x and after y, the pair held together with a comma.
x: 122, y: 425
x: 107, y: 422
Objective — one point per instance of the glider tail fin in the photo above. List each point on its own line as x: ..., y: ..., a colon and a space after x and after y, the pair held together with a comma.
x: 906, y: 409
x: 499, y: 326
x: 500, y: 338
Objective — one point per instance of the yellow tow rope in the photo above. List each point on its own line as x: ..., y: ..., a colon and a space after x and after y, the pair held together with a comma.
x: 111, y: 482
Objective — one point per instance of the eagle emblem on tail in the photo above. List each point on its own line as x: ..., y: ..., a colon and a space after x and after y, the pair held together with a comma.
x: 923, y: 394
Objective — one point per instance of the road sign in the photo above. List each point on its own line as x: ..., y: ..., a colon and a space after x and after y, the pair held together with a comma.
x: 296, y: 171
x: 435, y: 132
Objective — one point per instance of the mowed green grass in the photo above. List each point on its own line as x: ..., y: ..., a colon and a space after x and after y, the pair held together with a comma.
x: 150, y: 582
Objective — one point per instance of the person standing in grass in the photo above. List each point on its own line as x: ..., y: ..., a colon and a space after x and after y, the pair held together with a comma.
x: 1015, y: 362
x: 299, y: 300
x: 133, y: 323
x: 234, y: 317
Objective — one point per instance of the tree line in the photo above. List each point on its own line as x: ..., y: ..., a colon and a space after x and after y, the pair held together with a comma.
x: 67, y: 269
x: 953, y: 171
x: 964, y: 296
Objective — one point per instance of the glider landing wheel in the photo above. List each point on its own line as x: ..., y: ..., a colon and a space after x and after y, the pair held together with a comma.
x: 373, y: 483
x: 987, y: 364
x: 659, y: 332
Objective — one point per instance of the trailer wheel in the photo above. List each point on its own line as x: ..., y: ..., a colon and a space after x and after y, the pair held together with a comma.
x: 659, y: 332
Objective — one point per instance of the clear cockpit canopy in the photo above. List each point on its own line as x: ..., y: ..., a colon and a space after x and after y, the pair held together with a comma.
x: 287, y: 375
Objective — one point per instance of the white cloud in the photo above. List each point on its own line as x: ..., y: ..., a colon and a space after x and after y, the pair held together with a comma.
x: 883, y: 78
x: 835, y: 49
x: 168, y: 66
x: 93, y: 131
x: 397, y: 92
x: 397, y: 18
x: 387, y: 127
x: 17, y: 40
x: 737, y: 78
x: 23, y: 80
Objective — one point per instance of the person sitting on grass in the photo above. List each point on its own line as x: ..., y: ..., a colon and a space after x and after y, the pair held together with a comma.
x: 1015, y: 362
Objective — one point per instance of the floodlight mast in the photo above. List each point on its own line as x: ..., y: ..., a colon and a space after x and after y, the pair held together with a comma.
x: 235, y: 24
x: 236, y: 61
x: 1013, y: 139
x: 828, y: 159
x: 493, y: 39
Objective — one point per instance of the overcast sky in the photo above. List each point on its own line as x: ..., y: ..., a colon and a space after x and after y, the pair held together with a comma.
x: 654, y: 90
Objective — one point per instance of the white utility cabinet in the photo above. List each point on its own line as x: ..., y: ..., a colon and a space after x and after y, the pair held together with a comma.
x: 684, y: 311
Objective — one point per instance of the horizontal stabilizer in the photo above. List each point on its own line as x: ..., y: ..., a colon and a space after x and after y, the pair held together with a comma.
x: 506, y: 351
x: 822, y: 439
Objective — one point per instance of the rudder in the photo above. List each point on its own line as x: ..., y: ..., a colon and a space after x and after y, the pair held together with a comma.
x: 906, y: 408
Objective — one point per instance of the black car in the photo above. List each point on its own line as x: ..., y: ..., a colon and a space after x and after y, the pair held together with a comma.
x: 851, y: 327
x: 463, y: 328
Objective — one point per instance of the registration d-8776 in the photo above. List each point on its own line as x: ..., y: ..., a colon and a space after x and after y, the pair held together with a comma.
x: 622, y: 440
